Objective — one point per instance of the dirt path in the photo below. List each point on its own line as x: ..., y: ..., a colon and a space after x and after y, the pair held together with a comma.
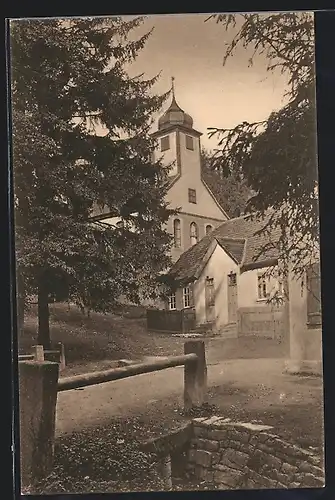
x: 259, y: 383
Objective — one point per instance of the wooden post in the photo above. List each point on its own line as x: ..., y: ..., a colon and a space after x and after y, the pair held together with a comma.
x: 62, y: 361
x: 37, y: 405
x: 38, y: 352
x: 195, y: 375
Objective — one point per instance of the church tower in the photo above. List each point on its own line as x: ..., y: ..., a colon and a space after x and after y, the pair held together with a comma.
x: 178, y: 144
x: 176, y: 136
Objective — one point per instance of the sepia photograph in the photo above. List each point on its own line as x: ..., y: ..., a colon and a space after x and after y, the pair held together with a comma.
x: 167, y: 254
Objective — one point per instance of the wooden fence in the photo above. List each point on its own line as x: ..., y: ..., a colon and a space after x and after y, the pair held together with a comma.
x: 177, y: 321
x: 56, y: 355
x: 39, y: 385
x: 261, y: 321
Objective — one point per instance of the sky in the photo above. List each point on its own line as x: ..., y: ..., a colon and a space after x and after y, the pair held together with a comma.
x: 191, y: 50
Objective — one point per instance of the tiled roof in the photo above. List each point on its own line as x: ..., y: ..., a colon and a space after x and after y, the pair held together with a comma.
x: 186, y: 266
x: 240, y: 240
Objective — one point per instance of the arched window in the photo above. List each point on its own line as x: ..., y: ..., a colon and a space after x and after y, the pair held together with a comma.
x: 176, y: 233
x: 208, y: 229
x: 193, y: 233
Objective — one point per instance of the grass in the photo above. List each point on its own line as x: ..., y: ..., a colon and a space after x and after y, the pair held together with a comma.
x: 92, y: 343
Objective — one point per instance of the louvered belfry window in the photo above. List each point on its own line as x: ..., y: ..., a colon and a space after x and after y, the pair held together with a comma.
x: 165, y: 143
x: 189, y: 143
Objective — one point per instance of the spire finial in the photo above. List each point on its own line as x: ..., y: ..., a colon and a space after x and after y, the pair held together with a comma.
x: 172, y: 85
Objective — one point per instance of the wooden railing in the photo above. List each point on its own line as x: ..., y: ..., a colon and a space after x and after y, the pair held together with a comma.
x: 195, y: 373
x: 40, y: 384
x: 41, y: 354
x: 77, y: 381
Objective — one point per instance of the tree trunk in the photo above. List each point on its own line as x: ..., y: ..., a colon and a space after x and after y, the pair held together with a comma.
x: 43, y: 336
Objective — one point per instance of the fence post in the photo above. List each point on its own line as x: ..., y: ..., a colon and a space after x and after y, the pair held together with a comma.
x: 62, y: 360
x: 37, y: 408
x: 38, y: 352
x: 195, y: 375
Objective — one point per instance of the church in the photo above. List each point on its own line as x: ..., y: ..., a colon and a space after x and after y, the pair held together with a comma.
x: 199, y: 212
x: 219, y: 275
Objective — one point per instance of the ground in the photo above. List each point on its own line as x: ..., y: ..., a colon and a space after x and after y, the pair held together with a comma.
x: 245, y: 382
x: 97, y: 424
x: 246, y: 390
x: 91, y: 343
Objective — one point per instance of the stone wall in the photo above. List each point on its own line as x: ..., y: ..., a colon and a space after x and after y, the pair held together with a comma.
x: 231, y: 455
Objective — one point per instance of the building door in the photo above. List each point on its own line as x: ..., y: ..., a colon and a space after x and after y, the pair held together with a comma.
x: 232, y: 298
x: 210, y: 299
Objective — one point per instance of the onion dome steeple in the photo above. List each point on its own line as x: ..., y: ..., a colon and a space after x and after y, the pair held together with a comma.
x: 174, y: 115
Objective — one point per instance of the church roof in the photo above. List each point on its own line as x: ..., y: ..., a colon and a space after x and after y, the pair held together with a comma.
x: 239, y: 238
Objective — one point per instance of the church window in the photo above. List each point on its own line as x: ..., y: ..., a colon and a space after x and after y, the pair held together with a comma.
x: 193, y: 233
x: 189, y: 143
x: 192, y: 196
x: 176, y: 233
x: 165, y: 143
x: 208, y: 228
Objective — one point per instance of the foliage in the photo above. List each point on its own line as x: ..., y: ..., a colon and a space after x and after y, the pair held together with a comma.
x: 108, y: 459
x: 230, y: 190
x: 277, y: 157
x: 80, y: 141
x: 101, y: 459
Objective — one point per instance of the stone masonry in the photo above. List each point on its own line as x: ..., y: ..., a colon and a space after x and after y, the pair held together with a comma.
x: 235, y: 455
